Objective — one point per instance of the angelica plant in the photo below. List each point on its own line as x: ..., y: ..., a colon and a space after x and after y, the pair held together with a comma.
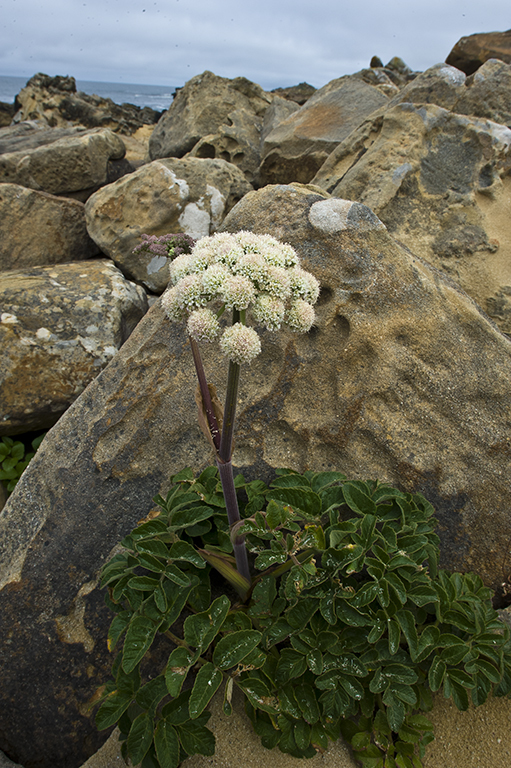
x: 255, y: 280
x: 345, y: 626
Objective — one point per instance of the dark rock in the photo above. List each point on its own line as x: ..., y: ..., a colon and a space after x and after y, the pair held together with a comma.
x: 298, y: 93
x: 470, y: 52
x: 56, y: 101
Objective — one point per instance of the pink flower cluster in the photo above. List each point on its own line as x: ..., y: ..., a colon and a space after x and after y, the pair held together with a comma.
x: 254, y: 274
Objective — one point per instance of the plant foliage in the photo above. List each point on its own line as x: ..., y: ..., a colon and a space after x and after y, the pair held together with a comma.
x: 14, y: 459
x: 347, y: 630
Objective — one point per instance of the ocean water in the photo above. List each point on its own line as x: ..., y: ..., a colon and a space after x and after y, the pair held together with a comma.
x: 158, y: 97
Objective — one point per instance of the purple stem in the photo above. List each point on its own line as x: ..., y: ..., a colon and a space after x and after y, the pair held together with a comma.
x: 206, y: 397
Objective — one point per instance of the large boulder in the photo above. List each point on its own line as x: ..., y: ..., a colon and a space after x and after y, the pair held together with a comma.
x: 56, y: 101
x: 33, y: 133
x: 470, y: 52
x: 487, y: 93
x: 402, y: 378
x: 68, y: 165
x: 203, y: 107
x: 59, y: 326
x: 37, y: 228
x: 300, y: 144
x: 237, y: 142
x: 440, y: 182
x: 190, y: 195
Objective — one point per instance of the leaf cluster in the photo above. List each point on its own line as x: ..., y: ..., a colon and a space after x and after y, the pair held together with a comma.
x: 348, y: 628
x: 14, y: 459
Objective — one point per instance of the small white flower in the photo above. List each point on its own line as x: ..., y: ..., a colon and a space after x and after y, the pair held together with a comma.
x: 269, y: 311
x: 300, y: 316
x: 275, y: 280
x: 213, y: 278
x: 191, y: 292
x: 179, y: 267
x: 170, y: 302
x: 238, y: 292
x: 203, y: 325
x: 303, y: 285
x: 240, y: 343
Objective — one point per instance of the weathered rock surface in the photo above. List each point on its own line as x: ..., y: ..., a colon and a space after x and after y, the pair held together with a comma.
x: 37, y: 228
x: 237, y: 143
x: 441, y: 184
x: 298, y: 93
x: 402, y: 378
x: 189, y: 195
x: 59, y: 326
x: 6, y: 113
x: 56, y: 101
x: 280, y: 109
x: 33, y: 133
x: 470, y: 52
x: 68, y: 165
x: 299, y: 145
x: 487, y: 93
x: 203, y: 107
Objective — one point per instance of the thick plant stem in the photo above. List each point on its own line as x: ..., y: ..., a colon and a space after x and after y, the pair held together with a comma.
x: 206, y: 397
x: 231, y: 397
x: 233, y: 515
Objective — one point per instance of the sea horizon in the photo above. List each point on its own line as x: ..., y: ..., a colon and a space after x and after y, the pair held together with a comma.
x: 158, y: 97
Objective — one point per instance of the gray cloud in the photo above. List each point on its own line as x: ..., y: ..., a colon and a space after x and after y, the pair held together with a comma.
x: 279, y: 42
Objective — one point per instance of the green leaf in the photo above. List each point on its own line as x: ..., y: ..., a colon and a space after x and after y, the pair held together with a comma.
x: 183, y: 518
x: 140, y: 737
x: 152, y: 547
x: 394, y: 636
x: 117, y: 627
x: 291, y: 664
x: 196, y: 739
x: 302, y: 734
x: 138, y: 640
x: 201, y: 629
x: 166, y: 744
x: 301, y: 613
x: 306, y: 700
x: 436, y: 673
x: 112, y: 708
x: 181, y: 550
x: 487, y: 669
x: 180, y: 661
x: 233, y: 648
x: 143, y: 583
x: 258, y: 695
x: 150, y: 562
x: 206, y: 684
x: 302, y: 498
x: 357, y: 499
x: 176, y: 575
x: 150, y: 694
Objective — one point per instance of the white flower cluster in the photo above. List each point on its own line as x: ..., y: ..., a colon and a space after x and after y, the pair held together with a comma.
x: 245, y: 272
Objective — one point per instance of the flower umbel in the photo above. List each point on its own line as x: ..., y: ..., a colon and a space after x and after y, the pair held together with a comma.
x: 254, y: 275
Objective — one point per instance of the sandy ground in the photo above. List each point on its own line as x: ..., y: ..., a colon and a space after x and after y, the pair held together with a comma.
x: 479, y: 738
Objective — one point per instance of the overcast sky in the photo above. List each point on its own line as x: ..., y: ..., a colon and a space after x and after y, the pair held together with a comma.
x: 273, y: 42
